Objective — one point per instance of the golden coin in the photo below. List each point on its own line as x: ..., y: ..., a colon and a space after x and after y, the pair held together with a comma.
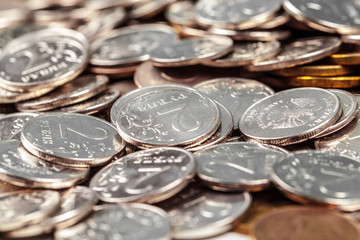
x: 324, y: 82
x: 345, y: 58
x: 315, y: 70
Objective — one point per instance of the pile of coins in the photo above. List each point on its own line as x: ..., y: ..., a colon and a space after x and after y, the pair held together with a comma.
x: 165, y: 119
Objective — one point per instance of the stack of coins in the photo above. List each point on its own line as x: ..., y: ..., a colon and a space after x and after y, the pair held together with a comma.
x: 164, y: 119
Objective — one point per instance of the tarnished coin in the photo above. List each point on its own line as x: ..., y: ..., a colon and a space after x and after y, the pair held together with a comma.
x: 145, y: 176
x: 315, y: 71
x: 237, y: 94
x: 299, y: 52
x: 237, y: 166
x: 75, y: 91
x: 319, y: 177
x: 252, y: 35
x: 43, y: 59
x: 72, y: 139
x: 190, y: 51
x: 199, y: 213
x: 351, y: 58
x: 326, y: 15
x: 75, y: 204
x: 138, y: 222
x: 324, y: 82
x: 130, y: 44
x: 21, y: 208
x: 182, y: 13
x: 166, y: 115
x: 12, y: 124
x: 302, y: 223
x: 148, y: 9
x: 235, y: 14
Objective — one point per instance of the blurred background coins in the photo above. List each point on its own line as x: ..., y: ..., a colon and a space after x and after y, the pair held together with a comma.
x: 12, y: 124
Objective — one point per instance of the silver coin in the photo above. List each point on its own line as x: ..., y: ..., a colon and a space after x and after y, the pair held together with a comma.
x: 299, y: 52
x: 43, y: 59
x: 72, y: 139
x: 291, y: 116
x: 190, y: 51
x: 326, y: 15
x: 12, y: 124
x: 181, y: 12
x: 237, y: 94
x: 319, y: 177
x: 246, y: 53
x: 281, y: 19
x: 235, y: 14
x: 198, y: 213
x: 237, y: 166
x: 21, y: 208
x: 15, y: 97
x: 166, y: 115
x: 148, y: 9
x: 252, y: 35
x: 130, y: 44
x: 102, y: 4
x: 349, y: 107
x: 145, y: 176
x: 126, y: 221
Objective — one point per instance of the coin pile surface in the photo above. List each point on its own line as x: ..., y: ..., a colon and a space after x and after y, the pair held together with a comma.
x: 165, y: 119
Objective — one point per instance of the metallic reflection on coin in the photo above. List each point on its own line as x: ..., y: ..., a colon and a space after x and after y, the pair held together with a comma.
x: 199, y: 213
x: 12, y: 124
x: 319, y: 177
x: 277, y: 21
x: 148, y: 9
x: 126, y: 221
x: 14, y: 97
x: 102, y: 4
x: 252, y: 35
x: 237, y: 166
x: 115, y: 72
x: 182, y: 13
x: 349, y: 58
x: 315, y: 71
x: 353, y: 39
x: 6, y: 188
x: 324, y: 82
x: 72, y: 139
x: 21, y: 208
x: 145, y: 176
x: 291, y: 116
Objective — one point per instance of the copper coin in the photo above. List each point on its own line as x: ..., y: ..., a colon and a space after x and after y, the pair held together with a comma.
x: 315, y: 71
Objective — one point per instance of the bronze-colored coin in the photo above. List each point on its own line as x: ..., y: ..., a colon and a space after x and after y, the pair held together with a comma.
x: 123, y: 86
x: 303, y: 223
x: 324, y: 82
x: 119, y: 71
x: 352, y: 58
x: 315, y: 71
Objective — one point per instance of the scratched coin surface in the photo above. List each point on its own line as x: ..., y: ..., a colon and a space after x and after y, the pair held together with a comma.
x: 299, y: 52
x: 22, y: 208
x: 237, y: 166
x: 126, y: 221
x: 190, y: 51
x: 12, y: 124
x: 166, y: 115
x: 43, y: 59
x: 130, y: 44
x: 145, y: 176
x: 235, y: 14
x: 200, y: 213
x: 237, y: 94
x: 319, y: 177
x: 72, y: 139
x: 291, y: 116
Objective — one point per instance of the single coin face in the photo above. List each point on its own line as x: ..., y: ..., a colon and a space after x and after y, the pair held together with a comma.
x: 43, y: 59
x: 72, y: 139
x: 145, y: 176
x: 291, y: 116
x: 138, y: 222
x: 12, y: 124
x: 237, y: 166
x: 166, y: 115
x: 319, y: 177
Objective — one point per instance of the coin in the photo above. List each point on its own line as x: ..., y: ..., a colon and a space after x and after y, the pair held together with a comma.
x: 319, y: 177
x: 43, y: 59
x: 315, y: 71
x: 302, y: 223
x: 148, y: 9
x: 21, y: 208
x: 130, y: 44
x: 290, y: 116
x: 147, y: 176
x: 72, y: 139
x: 198, y: 213
x: 14, y: 97
x: 352, y: 58
x: 237, y: 94
x: 35, y: 4
x: 138, y: 222
x: 118, y: 71
x: 6, y: 188
x: 12, y: 124
x: 77, y: 90
x: 237, y: 166
x: 166, y: 115
x: 102, y: 4
x: 190, y: 51
x: 299, y: 52
x: 182, y: 13
x: 324, y: 82
x: 277, y: 21
x: 252, y: 35
x: 352, y: 39
x: 123, y: 86
x: 235, y: 14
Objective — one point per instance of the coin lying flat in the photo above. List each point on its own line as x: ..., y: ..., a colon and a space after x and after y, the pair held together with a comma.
x: 14, y: 97
x: 190, y: 51
x: 280, y: 19
x: 166, y: 115
x: 324, y: 82
x: 182, y: 13
x: 315, y: 71
x: 138, y: 222
x: 148, y: 9
x: 145, y: 176
x: 299, y: 52
x: 352, y: 58
x: 72, y: 139
x: 352, y: 39
x: 101, y: 4
x: 252, y: 35
x: 290, y: 116
x: 12, y: 124
x: 237, y: 166
x: 319, y: 177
